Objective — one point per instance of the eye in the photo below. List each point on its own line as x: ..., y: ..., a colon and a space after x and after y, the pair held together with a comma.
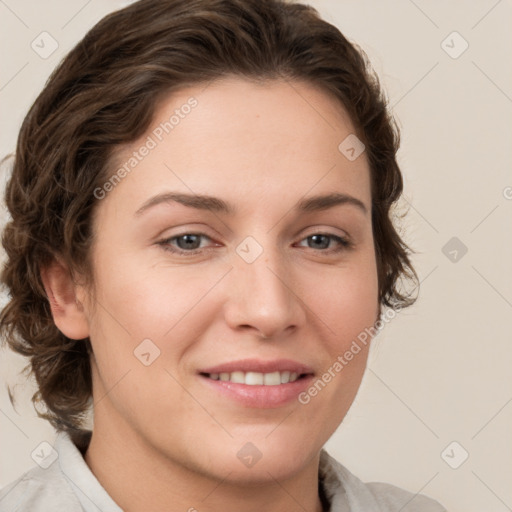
x: 190, y: 243
x: 187, y: 243
x: 322, y: 241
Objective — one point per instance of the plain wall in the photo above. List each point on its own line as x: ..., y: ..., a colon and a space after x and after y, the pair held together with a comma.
x: 440, y: 371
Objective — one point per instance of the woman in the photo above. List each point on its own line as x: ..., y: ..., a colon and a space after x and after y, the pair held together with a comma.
x: 200, y: 235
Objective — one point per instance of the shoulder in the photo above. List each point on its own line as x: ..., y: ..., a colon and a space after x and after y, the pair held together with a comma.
x: 392, y: 498
x: 39, y: 490
x: 65, y: 482
x: 346, y: 491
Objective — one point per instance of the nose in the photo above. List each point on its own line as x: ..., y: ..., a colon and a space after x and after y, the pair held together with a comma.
x: 262, y: 298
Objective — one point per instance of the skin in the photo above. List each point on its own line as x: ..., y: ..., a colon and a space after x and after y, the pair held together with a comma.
x: 161, y: 436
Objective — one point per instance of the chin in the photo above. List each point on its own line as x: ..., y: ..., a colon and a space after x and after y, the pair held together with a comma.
x: 260, y: 461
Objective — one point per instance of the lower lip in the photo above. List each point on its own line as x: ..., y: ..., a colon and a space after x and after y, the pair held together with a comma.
x: 259, y: 396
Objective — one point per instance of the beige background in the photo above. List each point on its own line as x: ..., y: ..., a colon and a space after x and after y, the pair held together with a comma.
x: 440, y: 371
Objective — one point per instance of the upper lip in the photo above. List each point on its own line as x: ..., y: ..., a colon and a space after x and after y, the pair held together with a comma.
x: 260, y: 366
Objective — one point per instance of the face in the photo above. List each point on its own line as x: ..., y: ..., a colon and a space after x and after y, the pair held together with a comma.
x: 207, y: 309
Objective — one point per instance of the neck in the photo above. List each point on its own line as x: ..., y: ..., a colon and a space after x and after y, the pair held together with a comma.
x: 140, y: 478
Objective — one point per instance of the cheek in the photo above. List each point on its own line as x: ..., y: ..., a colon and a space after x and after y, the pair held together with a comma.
x: 141, y: 318
x: 137, y: 302
x: 147, y: 301
x: 346, y: 300
x: 346, y: 303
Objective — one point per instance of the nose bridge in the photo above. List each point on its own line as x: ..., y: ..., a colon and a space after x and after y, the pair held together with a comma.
x: 264, y: 298
x: 265, y: 277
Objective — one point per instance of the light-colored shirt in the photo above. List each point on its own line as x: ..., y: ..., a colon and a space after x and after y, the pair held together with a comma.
x: 67, y: 484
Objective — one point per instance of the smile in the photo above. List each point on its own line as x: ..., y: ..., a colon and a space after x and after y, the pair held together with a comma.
x: 256, y: 378
x: 256, y: 383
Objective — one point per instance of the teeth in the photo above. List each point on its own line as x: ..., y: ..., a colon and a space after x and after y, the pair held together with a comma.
x: 253, y: 378
x: 256, y: 378
x: 238, y: 377
x: 272, y: 379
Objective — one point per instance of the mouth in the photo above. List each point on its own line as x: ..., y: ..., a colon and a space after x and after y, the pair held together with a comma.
x: 259, y: 384
x: 257, y: 378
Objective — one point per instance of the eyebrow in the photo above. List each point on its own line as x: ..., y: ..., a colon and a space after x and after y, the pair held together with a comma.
x: 215, y: 204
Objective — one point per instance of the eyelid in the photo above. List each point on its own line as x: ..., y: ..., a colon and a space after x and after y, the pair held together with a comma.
x: 327, y: 230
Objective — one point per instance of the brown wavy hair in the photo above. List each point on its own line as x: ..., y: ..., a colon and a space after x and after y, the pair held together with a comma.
x: 103, y: 95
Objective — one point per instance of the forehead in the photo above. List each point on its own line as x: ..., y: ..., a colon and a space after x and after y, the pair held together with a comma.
x: 235, y: 136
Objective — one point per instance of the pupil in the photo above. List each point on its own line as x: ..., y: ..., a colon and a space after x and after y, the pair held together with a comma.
x: 316, y: 237
x: 190, y: 241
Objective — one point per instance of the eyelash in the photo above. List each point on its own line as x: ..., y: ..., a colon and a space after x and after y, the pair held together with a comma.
x: 344, y: 243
